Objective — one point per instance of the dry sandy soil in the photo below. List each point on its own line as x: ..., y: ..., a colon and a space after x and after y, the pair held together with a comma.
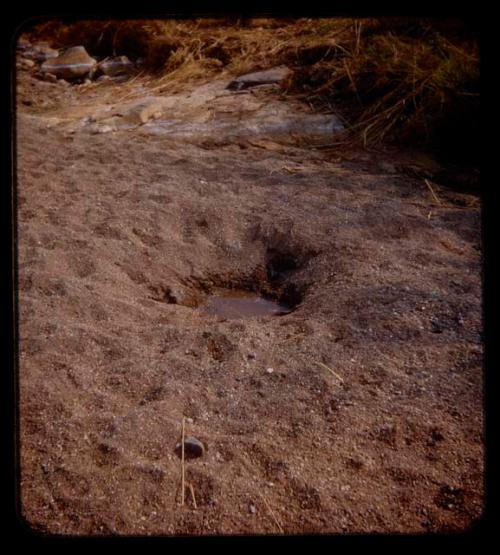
x: 372, y: 418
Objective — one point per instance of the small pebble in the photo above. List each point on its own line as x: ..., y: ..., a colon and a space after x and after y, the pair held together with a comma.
x: 102, y: 129
x: 193, y: 448
x: 270, y: 370
x: 252, y: 509
x: 436, y: 326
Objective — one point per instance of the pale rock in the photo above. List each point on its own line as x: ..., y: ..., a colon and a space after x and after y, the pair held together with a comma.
x: 97, y: 129
x: 72, y: 63
x: 49, y: 77
x: 270, y: 76
x: 142, y: 110
x: 25, y: 63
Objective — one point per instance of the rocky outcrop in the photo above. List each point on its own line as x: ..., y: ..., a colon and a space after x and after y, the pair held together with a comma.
x: 73, y: 63
x: 268, y: 77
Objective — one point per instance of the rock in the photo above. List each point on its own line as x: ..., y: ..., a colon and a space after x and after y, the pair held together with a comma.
x: 120, y: 78
x: 40, y: 52
x: 72, y: 63
x: 24, y: 63
x: 116, y: 66
x: 49, y: 77
x: 141, y: 111
x: 98, y: 129
x: 271, y: 76
x: 193, y: 448
x: 252, y: 509
x: 270, y: 370
x: 23, y: 44
x: 437, y: 326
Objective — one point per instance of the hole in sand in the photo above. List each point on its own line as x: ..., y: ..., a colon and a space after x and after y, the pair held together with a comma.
x: 280, y: 265
x: 268, y: 290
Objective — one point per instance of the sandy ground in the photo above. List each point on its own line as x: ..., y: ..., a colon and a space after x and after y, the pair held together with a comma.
x: 371, y: 419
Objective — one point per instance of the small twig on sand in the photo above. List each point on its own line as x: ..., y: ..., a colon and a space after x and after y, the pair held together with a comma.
x: 280, y: 528
x: 432, y: 192
x: 182, y: 465
x: 287, y: 169
x: 330, y: 370
x: 191, y: 489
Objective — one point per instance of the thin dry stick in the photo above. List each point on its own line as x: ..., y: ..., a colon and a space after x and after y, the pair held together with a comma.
x: 432, y: 192
x: 330, y: 370
x: 271, y: 512
x: 182, y: 465
x: 191, y: 489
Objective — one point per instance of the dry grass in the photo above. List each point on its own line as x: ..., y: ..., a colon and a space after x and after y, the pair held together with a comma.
x: 409, y: 80
x: 183, y: 472
x: 341, y: 380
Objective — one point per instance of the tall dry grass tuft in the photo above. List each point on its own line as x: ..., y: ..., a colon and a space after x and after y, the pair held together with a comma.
x: 408, y: 82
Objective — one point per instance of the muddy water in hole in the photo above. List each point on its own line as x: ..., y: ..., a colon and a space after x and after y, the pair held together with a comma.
x: 241, y: 304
